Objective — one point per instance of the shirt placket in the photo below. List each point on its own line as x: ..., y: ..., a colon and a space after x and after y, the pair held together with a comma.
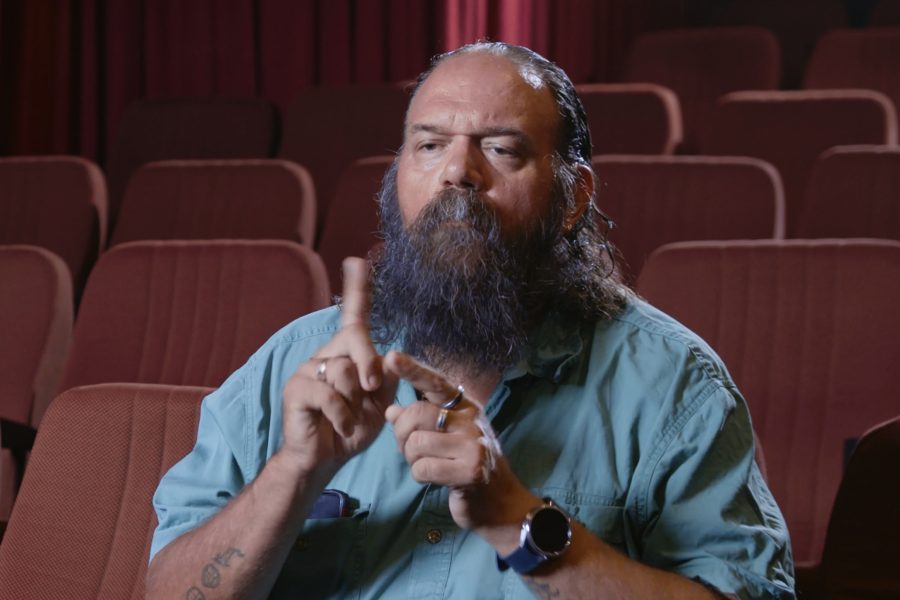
x: 436, y: 532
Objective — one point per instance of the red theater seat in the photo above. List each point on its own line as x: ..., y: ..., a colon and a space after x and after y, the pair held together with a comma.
x: 791, y: 129
x: 58, y: 203
x: 188, y: 312
x: 655, y: 200
x: 35, y: 332
x: 853, y: 191
x: 210, y: 199
x: 327, y: 128
x: 809, y: 331
x: 857, y: 58
x: 700, y: 65
x: 631, y: 118
x: 351, y: 228
x: 81, y: 529
x: 190, y: 128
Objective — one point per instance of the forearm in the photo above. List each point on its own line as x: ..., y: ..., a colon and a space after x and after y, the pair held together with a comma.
x: 239, y: 552
x: 592, y: 569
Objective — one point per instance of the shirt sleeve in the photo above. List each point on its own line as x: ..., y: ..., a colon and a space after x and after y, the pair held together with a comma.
x: 709, y: 514
x: 202, y: 483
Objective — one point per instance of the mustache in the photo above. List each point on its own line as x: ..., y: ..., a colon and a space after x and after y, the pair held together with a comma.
x: 456, y: 205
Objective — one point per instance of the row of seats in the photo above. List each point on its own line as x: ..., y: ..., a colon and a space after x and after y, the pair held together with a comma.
x: 807, y: 327
x: 57, y: 203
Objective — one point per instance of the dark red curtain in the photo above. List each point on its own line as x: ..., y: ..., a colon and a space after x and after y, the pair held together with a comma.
x: 69, y: 67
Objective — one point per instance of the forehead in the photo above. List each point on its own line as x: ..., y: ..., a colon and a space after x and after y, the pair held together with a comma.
x: 480, y: 90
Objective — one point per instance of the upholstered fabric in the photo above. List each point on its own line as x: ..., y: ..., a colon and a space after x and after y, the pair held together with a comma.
x: 327, y: 128
x: 35, y: 332
x: 700, y: 65
x: 152, y: 130
x: 632, y: 118
x: 351, y: 227
x: 57, y: 202
x: 857, y: 58
x: 208, y: 199
x: 188, y: 312
x: 82, y: 526
x: 809, y: 331
x: 861, y: 559
x: 791, y: 129
x: 654, y: 200
x: 853, y: 191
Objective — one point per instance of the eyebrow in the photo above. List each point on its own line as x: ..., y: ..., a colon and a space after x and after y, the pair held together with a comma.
x: 518, y: 134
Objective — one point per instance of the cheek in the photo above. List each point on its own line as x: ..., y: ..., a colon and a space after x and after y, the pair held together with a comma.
x: 412, y: 193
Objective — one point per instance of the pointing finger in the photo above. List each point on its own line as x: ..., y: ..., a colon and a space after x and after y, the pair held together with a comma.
x: 355, y: 308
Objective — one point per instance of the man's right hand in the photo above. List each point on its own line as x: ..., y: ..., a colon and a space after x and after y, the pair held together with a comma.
x: 334, y: 404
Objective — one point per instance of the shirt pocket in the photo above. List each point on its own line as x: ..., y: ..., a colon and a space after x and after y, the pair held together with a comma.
x: 326, y: 559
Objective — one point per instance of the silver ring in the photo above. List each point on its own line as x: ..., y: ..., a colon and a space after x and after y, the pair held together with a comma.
x: 441, y: 424
x: 452, y: 402
x: 321, y: 369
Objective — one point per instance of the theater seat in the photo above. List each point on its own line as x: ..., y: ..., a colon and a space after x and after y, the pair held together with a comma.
x: 58, y: 203
x: 857, y: 59
x: 81, y: 529
x: 861, y: 560
x: 326, y: 128
x: 853, y: 191
x: 35, y: 332
x: 791, y: 129
x: 654, y: 200
x: 809, y: 330
x: 187, y: 128
x: 700, y: 65
x: 631, y: 118
x: 188, y: 312
x: 210, y: 199
x: 351, y: 227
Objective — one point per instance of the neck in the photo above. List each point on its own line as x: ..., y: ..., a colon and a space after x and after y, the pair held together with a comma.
x: 479, y: 387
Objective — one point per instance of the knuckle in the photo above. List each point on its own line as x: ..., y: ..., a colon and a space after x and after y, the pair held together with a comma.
x: 421, y: 471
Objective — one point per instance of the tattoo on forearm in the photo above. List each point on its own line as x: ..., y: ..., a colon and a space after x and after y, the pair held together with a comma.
x: 210, y: 576
x: 544, y: 591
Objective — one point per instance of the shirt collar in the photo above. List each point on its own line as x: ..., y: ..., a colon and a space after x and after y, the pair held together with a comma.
x: 557, y: 344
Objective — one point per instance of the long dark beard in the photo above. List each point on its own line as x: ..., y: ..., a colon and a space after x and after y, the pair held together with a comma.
x: 457, y: 291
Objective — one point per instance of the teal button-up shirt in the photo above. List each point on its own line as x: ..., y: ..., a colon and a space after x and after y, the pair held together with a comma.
x: 631, y: 424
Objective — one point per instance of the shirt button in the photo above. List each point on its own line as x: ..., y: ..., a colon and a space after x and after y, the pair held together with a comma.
x: 433, y: 536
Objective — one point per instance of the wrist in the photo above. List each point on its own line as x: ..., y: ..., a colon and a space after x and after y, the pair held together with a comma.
x: 504, y: 529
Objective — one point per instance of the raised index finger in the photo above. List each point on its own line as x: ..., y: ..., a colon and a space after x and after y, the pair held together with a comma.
x: 355, y: 309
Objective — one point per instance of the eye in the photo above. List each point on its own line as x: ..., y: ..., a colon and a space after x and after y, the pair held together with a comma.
x: 428, y: 147
x: 502, y: 151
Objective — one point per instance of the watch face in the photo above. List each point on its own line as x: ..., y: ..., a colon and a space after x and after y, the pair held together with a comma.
x: 550, y: 530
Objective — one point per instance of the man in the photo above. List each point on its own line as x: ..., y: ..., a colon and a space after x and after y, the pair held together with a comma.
x: 522, y: 426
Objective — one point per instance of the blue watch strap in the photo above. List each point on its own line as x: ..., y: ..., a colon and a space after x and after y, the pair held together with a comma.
x: 522, y: 560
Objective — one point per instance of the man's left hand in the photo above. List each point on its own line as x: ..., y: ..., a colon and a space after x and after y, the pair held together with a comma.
x: 465, y: 455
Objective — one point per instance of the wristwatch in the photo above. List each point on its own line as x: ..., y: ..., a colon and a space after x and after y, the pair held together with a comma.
x: 546, y: 533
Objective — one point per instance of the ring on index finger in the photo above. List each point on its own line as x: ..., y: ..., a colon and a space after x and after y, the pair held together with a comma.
x: 321, y: 370
x: 452, y: 402
x: 441, y: 424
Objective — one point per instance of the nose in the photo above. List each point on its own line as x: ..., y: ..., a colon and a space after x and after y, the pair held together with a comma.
x: 464, y: 166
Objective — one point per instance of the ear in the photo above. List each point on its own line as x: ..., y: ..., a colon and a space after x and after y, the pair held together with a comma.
x: 584, y: 192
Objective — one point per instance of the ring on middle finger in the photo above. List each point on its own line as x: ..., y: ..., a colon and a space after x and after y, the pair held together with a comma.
x: 441, y: 424
x: 452, y: 402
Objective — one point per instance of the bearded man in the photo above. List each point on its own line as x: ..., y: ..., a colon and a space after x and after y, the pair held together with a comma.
x: 507, y: 420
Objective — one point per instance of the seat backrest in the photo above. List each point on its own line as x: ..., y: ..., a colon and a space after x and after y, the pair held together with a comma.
x: 809, y: 330
x: 631, y: 118
x: 654, y: 200
x: 215, y: 199
x: 791, y: 129
x: 327, y: 128
x: 860, y: 558
x: 36, y: 326
x: 82, y: 525
x: 188, y: 312
x: 853, y: 191
x: 797, y: 25
x: 700, y: 65
x: 857, y: 58
x: 351, y: 227
x: 58, y: 203
x: 187, y: 128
